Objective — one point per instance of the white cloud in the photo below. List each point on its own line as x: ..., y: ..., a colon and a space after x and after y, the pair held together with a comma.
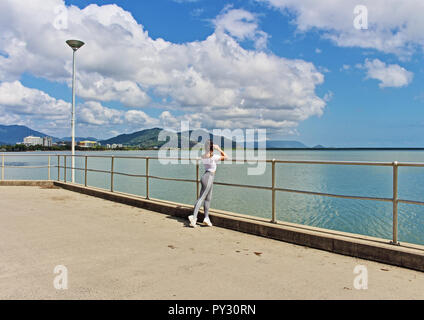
x: 140, y: 118
x: 15, y: 99
x: 7, y: 118
x: 168, y: 121
x: 114, y: 132
x: 32, y: 108
x: 242, y: 25
x: 394, y: 26
x: 205, y: 80
x: 93, y: 86
x: 185, y: 1
x: 38, y: 110
x: 391, y: 75
x: 345, y: 67
x: 96, y: 114
x: 328, y: 96
x: 197, y: 12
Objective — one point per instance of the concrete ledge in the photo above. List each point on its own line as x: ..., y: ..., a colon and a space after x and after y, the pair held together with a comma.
x: 406, y: 255
x: 32, y: 183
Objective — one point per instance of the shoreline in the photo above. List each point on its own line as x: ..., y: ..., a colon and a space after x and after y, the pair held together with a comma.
x: 268, y: 149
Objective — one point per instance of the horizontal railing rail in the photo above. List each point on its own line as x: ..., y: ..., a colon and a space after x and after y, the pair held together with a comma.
x: 273, y: 188
x: 28, y: 167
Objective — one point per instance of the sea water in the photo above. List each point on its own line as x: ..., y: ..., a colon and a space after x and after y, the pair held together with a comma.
x: 372, y: 218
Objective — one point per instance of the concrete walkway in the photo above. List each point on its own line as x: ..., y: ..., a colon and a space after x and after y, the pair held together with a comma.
x: 114, y: 251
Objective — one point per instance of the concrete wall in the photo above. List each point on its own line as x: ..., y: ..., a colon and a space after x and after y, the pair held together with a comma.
x: 406, y: 255
x: 32, y: 183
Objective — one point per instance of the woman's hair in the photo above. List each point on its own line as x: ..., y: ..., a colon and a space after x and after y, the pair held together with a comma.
x: 209, y: 146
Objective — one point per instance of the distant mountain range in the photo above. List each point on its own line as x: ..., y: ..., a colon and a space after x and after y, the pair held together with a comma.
x: 15, y: 133
x: 147, y: 138
x: 285, y: 144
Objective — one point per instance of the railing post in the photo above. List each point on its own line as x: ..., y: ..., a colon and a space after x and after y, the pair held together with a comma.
x: 274, y: 218
x: 395, y: 203
x: 147, y: 177
x: 58, y: 167
x: 197, y: 178
x: 85, y: 172
x: 2, y: 167
x: 49, y: 175
x: 64, y: 168
x: 111, y: 174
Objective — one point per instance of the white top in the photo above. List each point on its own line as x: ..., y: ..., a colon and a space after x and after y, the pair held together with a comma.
x: 210, y: 163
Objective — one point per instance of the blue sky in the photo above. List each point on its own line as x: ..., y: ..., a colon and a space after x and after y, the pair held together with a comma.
x: 297, y: 68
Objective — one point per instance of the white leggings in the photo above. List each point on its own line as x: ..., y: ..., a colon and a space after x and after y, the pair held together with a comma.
x: 205, y: 194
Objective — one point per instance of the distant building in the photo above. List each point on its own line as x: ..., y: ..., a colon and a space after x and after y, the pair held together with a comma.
x: 47, y: 142
x: 114, y: 146
x: 33, y: 141
x: 87, y: 144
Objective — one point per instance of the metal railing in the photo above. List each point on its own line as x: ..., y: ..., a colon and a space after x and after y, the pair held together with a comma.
x: 273, y: 188
x: 4, y: 166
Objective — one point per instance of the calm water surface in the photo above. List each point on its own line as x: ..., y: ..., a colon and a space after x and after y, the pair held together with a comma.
x: 357, y: 216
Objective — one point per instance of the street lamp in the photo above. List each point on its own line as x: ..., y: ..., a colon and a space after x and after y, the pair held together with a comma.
x: 75, y: 45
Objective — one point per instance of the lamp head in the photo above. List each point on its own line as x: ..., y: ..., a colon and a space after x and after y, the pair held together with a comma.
x: 75, y: 44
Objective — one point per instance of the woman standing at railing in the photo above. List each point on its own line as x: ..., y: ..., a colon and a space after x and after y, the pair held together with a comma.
x: 209, y: 161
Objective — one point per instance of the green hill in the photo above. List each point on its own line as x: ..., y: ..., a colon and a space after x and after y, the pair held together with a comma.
x: 148, y: 138
x: 144, y: 139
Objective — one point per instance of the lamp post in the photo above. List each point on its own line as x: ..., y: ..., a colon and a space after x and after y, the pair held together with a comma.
x: 75, y: 45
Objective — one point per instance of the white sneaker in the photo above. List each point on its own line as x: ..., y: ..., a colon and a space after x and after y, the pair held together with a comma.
x: 192, y: 221
x: 207, y: 222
